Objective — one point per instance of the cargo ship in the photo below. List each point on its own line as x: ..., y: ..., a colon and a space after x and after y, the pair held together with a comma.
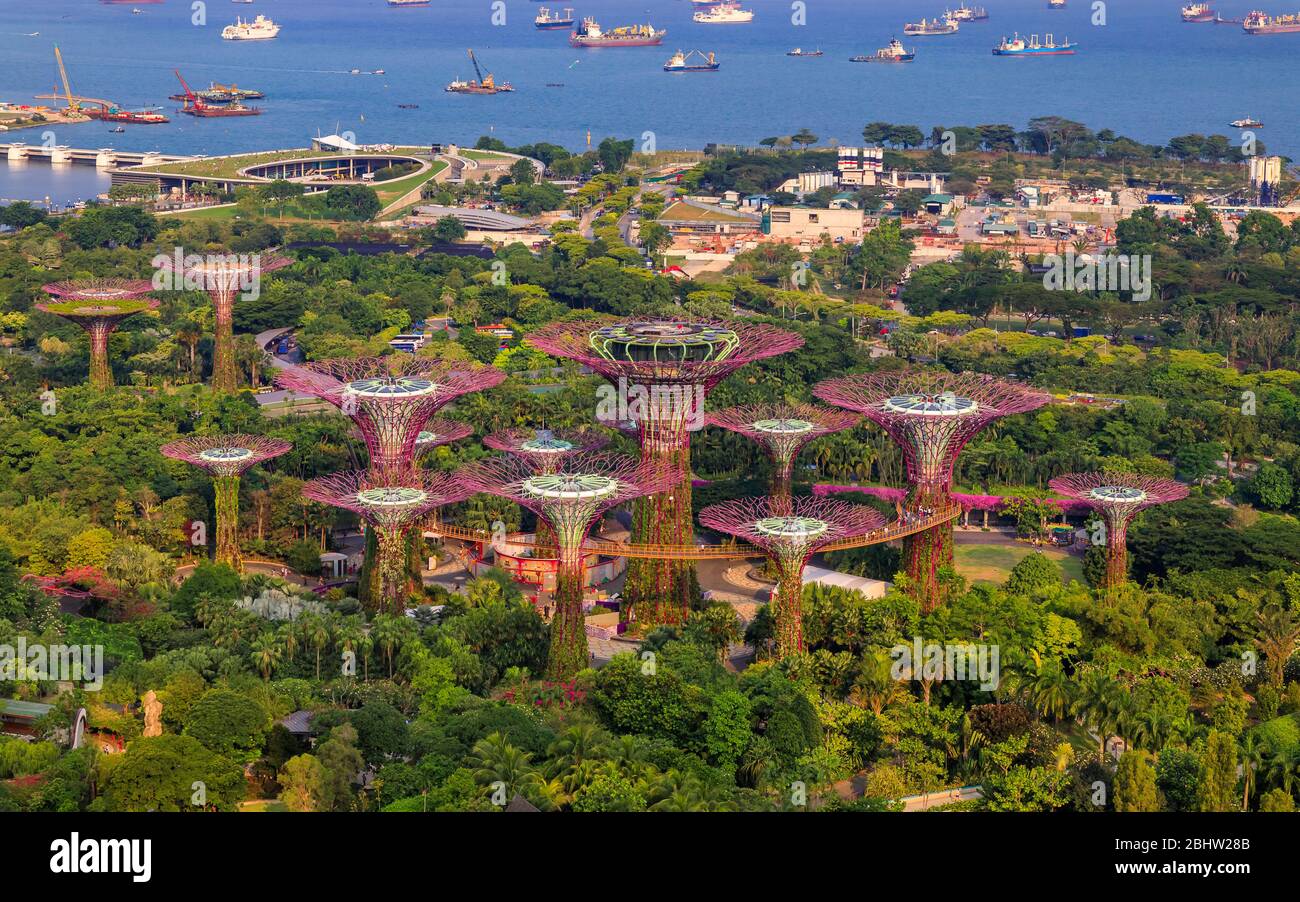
x: 931, y: 27
x: 695, y: 61
x: 1018, y: 46
x: 799, y: 51
x: 1257, y: 22
x: 484, y: 84
x: 723, y: 14
x: 1198, y: 12
x: 966, y: 13
x: 894, y: 53
x: 548, y: 20
x: 590, y: 34
x: 260, y: 29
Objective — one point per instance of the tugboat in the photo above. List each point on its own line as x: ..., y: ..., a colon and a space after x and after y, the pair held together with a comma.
x: 682, y: 62
x: 1248, y: 122
x: 894, y: 53
x: 799, y: 51
x: 484, y: 84
x: 931, y: 27
x: 590, y: 34
x: 550, y: 20
x: 1198, y: 12
x: 1018, y: 46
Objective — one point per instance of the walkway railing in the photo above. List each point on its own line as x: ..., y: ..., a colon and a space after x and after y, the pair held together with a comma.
x: 896, y: 530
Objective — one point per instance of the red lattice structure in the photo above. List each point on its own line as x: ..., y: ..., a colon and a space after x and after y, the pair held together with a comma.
x: 390, y: 399
x: 226, y: 458
x: 437, y: 431
x: 224, y: 277
x: 661, y: 371
x: 390, y: 507
x: 790, y: 531
x: 931, y: 415
x: 570, y: 494
x: 99, y: 306
x: 783, y: 430
x: 1118, y: 497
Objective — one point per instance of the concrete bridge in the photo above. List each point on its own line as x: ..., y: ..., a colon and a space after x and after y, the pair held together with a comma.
x: 102, y: 158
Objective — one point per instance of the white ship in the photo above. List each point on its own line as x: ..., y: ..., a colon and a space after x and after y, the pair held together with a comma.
x: 724, y: 14
x: 260, y: 29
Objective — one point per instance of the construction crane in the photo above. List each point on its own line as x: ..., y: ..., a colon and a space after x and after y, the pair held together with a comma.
x: 485, y: 81
x: 73, y: 105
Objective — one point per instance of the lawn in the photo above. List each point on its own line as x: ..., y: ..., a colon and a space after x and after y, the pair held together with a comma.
x: 263, y: 805
x: 993, y: 563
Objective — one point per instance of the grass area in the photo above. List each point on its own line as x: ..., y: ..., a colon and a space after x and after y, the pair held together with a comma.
x: 229, y: 167
x: 226, y: 211
x: 993, y: 563
x: 684, y: 212
x: 481, y: 155
x: 394, y: 190
x: 263, y: 805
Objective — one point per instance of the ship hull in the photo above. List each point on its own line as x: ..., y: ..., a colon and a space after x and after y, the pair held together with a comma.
x: 1057, y: 51
x: 1272, y: 29
x: 132, y: 118
x: 552, y: 26
x: 576, y: 41
x: 712, y: 68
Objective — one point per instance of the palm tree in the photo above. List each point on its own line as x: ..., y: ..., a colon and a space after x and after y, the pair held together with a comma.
x: 1099, y: 700
x: 387, y: 634
x: 1049, y: 690
x: 494, y: 760
x: 1253, y: 756
x: 266, y: 653
x: 317, y: 632
x: 1278, y: 634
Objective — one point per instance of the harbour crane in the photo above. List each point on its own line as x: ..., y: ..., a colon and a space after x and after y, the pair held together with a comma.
x: 73, y: 105
x: 485, y: 81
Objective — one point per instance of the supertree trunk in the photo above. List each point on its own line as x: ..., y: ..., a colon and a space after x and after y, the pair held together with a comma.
x: 101, y: 374
x: 1116, y: 553
x: 226, y: 501
x: 370, y: 589
x: 569, y: 651
x: 926, y: 552
x: 225, y: 378
x: 782, y: 478
x: 788, y: 609
x: 390, y: 564
x: 661, y: 592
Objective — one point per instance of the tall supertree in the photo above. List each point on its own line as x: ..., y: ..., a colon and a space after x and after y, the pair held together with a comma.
x: 390, y: 504
x: 390, y: 399
x: 571, y: 494
x: 1118, y: 497
x: 662, y: 370
x: 782, y: 430
x: 931, y: 415
x: 98, y: 306
x: 224, y: 277
x: 226, y: 457
x: 790, y: 531
x: 437, y: 431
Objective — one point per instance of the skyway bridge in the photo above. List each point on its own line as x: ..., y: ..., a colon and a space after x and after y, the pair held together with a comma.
x: 103, y: 157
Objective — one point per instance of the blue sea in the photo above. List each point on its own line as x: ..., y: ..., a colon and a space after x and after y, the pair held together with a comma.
x: 1143, y: 73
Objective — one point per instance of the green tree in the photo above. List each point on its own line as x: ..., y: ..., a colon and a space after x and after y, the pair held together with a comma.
x: 1135, y: 783
x: 1219, y: 774
x: 170, y: 773
x: 304, y: 785
x: 727, y: 730
x: 228, y: 723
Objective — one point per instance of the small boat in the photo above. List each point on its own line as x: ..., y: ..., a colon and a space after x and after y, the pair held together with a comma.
x: 799, y: 51
x: 1056, y: 4
x: 118, y: 131
x: 695, y: 61
x: 555, y: 84
x: 1248, y: 122
x: 894, y: 53
x: 408, y: 106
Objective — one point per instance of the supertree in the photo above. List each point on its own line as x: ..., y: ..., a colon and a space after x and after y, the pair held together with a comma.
x: 224, y: 277
x: 390, y: 504
x: 931, y: 415
x: 570, y: 495
x: 98, y: 306
x: 437, y: 431
x: 782, y: 430
x: 390, y: 399
x: 1118, y: 497
x: 790, y: 531
x: 662, y: 370
x: 226, y: 457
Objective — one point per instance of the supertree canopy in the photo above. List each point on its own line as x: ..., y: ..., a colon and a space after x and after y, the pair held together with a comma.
x: 662, y: 370
x: 931, y: 415
x: 98, y: 306
x: 390, y: 504
x: 1118, y: 497
x: 389, y: 398
x: 790, y: 531
x: 437, y: 431
x: 782, y: 430
x: 570, y: 495
x: 224, y: 277
x: 226, y: 457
